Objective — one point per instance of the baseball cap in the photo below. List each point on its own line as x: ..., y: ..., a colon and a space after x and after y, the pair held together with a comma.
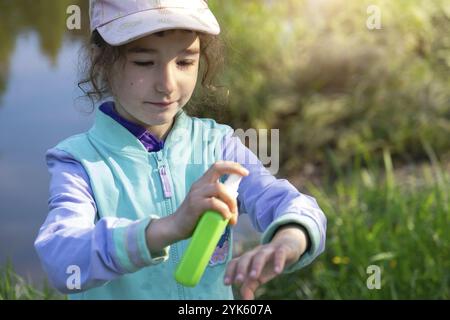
x: 122, y: 21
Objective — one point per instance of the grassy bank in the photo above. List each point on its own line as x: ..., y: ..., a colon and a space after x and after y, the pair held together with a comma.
x: 396, y: 221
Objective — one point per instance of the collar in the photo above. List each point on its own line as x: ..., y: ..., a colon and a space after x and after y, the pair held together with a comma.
x: 149, y: 140
x: 124, y: 136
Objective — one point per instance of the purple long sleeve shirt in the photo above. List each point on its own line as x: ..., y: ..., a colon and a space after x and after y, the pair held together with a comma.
x: 72, y: 211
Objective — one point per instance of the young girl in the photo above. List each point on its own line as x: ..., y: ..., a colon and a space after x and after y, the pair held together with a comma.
x: 126, y: 195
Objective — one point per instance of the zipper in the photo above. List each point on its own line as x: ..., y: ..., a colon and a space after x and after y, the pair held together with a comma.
x: 165, y: 181
x: 167, y: 191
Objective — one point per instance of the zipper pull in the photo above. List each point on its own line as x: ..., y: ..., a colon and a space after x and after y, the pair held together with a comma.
x: 165, y: 181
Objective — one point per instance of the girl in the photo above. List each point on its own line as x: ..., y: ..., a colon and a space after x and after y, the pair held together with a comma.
x: 126, y: 195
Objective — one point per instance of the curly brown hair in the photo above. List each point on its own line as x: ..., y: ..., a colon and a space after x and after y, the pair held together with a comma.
x: 95, y: 69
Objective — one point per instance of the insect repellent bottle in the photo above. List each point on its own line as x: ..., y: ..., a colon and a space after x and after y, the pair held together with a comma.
x: 204, y: 240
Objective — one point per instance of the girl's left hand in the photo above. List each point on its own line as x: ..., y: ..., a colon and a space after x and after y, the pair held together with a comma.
x: 263, y: 263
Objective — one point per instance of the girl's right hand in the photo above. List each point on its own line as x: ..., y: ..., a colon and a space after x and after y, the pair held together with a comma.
x: 207, y: 193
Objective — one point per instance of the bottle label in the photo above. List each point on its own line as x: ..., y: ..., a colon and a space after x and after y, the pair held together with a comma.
x: 220, y: 254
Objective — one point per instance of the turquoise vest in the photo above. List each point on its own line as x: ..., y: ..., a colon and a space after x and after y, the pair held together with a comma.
x: 126, y: 182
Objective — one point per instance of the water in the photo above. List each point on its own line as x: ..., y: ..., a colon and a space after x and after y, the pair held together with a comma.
x: 36, y: 111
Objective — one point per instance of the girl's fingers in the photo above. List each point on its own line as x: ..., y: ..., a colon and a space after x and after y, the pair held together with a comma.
x: 242, y: 268
x: 230, y: 272
x: 220, y: 168
x: 277, y: 266
x: 259, y: 262
x: 218, y: 205
x: 248, y: 289
x: 265, y: 262
x: 234, y: 218
x: 208, y: 186
x: 279, y: 260
x: 218, y: 190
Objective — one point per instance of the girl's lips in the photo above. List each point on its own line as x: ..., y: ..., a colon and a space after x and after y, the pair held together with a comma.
x: 161, y: 105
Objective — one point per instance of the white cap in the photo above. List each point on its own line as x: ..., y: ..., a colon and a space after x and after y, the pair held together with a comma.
x: 122, y: 21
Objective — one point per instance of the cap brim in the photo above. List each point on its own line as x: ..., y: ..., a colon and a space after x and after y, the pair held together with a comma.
x: 137, y: 25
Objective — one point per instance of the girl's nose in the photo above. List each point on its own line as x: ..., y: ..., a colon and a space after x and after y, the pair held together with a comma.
x: 166, y: 80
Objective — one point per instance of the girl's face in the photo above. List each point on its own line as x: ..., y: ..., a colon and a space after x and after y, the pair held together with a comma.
x: 157, y: 69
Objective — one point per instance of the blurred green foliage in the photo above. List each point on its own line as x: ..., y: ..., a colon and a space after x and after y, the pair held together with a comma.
x: 334, y: 88
x: 15, y: 287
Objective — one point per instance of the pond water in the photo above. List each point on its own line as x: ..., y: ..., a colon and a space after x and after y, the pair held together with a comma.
x: 37, y: 110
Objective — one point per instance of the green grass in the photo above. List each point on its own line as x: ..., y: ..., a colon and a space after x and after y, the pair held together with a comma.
x: 379, y: 217
x: 15, y: 287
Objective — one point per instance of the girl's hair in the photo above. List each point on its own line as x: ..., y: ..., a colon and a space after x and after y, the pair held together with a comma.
x: 95, y: 67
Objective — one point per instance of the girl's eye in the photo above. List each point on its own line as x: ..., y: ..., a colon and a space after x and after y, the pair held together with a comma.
x: 182, y: 64
x: 186, y: 63
x: 143, y: 63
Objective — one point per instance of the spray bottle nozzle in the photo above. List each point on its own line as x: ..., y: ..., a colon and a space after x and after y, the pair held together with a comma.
x: 232, y: 184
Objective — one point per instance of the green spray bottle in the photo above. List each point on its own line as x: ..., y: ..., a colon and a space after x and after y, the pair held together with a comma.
x: 204, y: 240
